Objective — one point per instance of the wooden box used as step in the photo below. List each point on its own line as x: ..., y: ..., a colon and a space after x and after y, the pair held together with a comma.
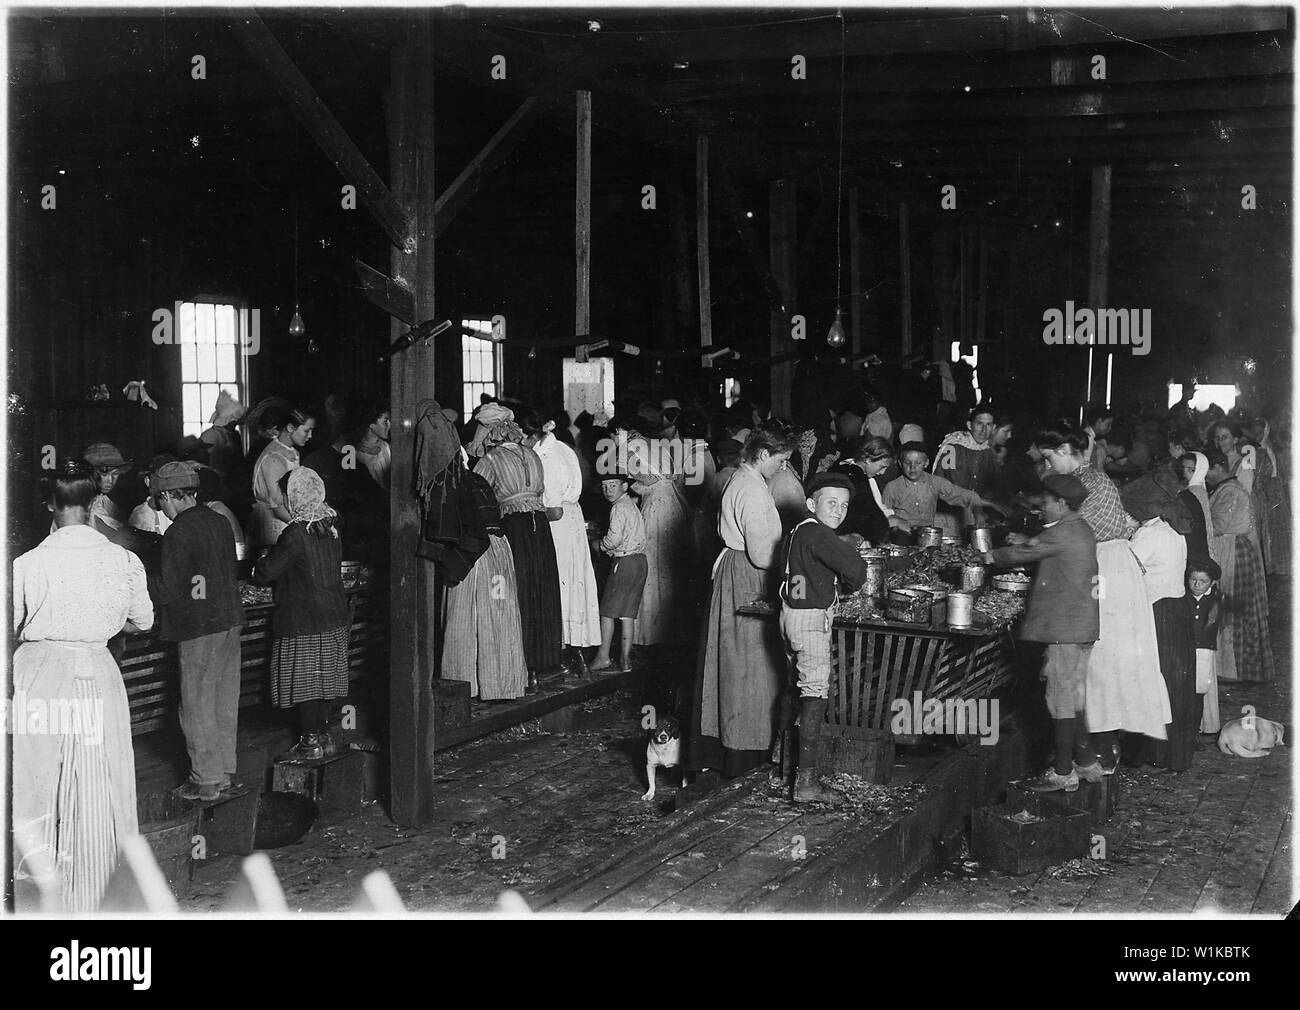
x: 228, y: 824
x: 1053, y: 835
x: 335, y: 783
x: 450, y: 704
x: 1094, y: 798
x: 857, y: 750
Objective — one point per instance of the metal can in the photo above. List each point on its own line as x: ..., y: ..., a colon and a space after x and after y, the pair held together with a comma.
x: 961, y: 607
x: 972, y: 577
x: 981, y: 539
x: 875, y: 584
x: 929, y: 536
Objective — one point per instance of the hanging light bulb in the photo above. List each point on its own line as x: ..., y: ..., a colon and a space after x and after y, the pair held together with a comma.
x: 835, y: 335
x: 532, y: 354
x: 296, y: 325
x: 659, y: 368
x: 312, y: 346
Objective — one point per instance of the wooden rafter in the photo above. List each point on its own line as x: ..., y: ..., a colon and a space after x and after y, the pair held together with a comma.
x: 317, y: 119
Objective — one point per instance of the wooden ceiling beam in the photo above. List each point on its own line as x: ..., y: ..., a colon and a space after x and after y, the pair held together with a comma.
x: 317, y: 119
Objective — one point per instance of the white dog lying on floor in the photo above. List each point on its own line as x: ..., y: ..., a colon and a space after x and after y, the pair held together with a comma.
x: 1250, y: 736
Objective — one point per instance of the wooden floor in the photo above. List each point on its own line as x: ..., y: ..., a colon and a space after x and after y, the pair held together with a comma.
x: 559, y: 818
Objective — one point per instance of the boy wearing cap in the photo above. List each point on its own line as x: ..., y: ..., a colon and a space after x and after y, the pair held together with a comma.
x: 915, y: 496
x: 813, y: 558
x: 197, y: 594
x: 624, y: 544
x: 1063, y: 613
x: 1204, y: 604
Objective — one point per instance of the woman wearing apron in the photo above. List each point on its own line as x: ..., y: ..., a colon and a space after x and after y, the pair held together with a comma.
x: 563, y: 487
x: 742, y: 662
x: 74, y: 784
x: 1125, y: 689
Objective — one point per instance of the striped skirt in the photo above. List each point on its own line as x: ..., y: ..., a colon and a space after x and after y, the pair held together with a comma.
x: 310, y: 668
x: 1245, y: 649
x: 533, y: 549
x: 73, y: 773
x: 482, y: 638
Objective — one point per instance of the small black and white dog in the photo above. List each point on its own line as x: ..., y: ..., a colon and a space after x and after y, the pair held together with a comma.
x: 663, y: 750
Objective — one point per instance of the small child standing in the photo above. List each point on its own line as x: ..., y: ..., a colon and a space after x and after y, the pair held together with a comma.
x: 914, y: 497
x: 1062, y: 613
x: 1205, y: 603
x: 814, y: 557
x: 309, y: 661
x: 624, y: 544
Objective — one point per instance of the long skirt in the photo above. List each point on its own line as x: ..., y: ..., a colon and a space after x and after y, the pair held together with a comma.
x: 667, y: 546
x: 1245, y: 650
x: 1178, y: 666
x: 1125, y: 689
x: 1207, y: 687
x: 739, y: 675
x: 73, y: 772
x: 579, y: 603
x: 1273, y: 519
x: 310, y: 667
x: 533, y: 549
x: 483, y: 639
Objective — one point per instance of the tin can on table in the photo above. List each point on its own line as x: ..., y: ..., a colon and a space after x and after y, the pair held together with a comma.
x: 981, y: 538
x: 961, y: 607
x: 875, y: 584
x: 972, y: 577
x: 929, y: 536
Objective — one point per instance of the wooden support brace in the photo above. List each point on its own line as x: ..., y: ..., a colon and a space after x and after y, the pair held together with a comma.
x: 316, y: 117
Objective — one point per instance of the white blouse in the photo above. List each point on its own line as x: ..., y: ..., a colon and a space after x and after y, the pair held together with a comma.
x: 563, y: 474
x: 77, y: 586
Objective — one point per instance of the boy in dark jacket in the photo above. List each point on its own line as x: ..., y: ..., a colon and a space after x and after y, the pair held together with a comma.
x: 1205, y: 604
x: 197, y: 594
x: 1062, y: 612
x: 814, y: 557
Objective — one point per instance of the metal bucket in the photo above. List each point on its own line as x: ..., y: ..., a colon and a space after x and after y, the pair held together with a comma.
x: 981, y: 538
x: 929, y: 536
x: 972, y: 577
x: 961, y: 607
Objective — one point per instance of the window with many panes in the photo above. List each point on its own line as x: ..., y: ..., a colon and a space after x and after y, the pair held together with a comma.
x: 210, y: 333
x: 480, y: 362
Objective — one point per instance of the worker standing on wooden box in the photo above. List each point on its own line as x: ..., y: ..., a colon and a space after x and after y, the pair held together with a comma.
x: 813, y: 558
x: 1062, y: 612
x: 197, y: 593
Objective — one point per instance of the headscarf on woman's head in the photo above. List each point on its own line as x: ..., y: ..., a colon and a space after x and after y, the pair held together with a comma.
x: 305, y: 498
x: 496, y: 424
x: 1201, y: 469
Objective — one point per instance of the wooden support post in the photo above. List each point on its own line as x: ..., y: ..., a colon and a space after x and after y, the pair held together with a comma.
x: 413, y: 604
x: 782, y: 224
x: 855, y: 275
x: 904, y: 280
x: 317, y: 119
x: 1098, y: 254
x: 582, y: 234
x: 702, y: 238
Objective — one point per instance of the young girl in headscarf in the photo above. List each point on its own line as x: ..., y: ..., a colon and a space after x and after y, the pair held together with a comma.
x: 309, y: 663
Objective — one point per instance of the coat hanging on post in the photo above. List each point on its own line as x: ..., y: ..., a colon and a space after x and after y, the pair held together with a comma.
x: 452, y: 533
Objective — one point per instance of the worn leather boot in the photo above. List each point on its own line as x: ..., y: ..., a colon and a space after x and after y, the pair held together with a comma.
x: 812, y: 713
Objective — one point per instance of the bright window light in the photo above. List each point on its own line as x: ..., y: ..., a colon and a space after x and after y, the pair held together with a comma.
x: 1224, y: 396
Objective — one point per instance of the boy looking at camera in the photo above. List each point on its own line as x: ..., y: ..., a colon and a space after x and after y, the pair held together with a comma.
x: 813, y: 559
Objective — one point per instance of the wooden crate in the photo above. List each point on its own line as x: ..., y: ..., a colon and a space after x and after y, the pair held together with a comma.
x: 1016, y: 848
x: 335, y: 783
x: 1097, y: 799
x: 872, y: 666
x: 868, y: 753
